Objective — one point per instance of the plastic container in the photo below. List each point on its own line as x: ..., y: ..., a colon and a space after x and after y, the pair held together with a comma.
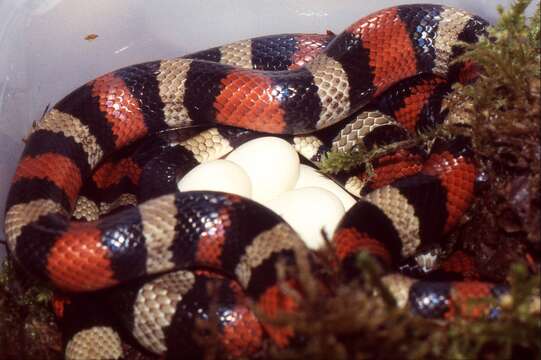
x: 46, y: 46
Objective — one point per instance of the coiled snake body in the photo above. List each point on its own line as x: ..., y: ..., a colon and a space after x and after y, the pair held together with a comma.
x: 174, y: 244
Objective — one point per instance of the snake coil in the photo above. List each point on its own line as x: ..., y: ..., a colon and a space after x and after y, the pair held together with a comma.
x: 173, y: 245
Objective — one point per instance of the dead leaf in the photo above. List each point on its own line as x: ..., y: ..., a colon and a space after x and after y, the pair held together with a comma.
x: 91, y: 37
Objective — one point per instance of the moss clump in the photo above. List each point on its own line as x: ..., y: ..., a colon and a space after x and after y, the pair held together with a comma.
x: 503, y: 106
x: 357, y: 321
x: 27, y: 325
x: 337, y: 161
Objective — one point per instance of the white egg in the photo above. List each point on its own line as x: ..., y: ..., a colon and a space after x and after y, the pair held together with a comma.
x: 271, y: 163
x: 309, y: 177
x: 309, y: 210
x: 217, y: 175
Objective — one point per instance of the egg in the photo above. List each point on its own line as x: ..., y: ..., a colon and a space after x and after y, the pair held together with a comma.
x: 217, y: 175
x: 271, y: 163
x: 309, y: 177
x: 309, y: 210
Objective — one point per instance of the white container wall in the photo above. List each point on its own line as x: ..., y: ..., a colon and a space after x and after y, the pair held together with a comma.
x: 44, y: 54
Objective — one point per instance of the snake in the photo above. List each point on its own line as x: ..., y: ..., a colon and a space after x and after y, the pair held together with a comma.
x: 159, y: 251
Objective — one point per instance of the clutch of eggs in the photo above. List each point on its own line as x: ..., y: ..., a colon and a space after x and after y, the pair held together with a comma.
x: 268, y: 170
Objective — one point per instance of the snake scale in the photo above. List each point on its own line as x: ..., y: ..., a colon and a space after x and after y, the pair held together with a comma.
x: 92, y: 205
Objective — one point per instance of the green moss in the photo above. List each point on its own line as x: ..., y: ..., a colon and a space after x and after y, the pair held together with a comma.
x: 360, y: 321
x: 27, y: 326
x: 337, y: 161
x: 512, y: 335
x: 504, y: 108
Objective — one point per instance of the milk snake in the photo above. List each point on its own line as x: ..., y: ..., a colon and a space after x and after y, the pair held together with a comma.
x: 161, y: 254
